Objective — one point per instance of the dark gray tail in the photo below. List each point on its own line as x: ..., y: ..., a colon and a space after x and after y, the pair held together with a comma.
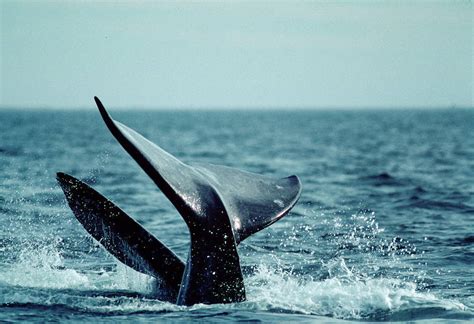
x: 221, y: 206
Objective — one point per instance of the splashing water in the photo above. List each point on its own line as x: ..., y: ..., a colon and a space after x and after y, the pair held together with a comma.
x: 344, y: 293
x: 42, y: 267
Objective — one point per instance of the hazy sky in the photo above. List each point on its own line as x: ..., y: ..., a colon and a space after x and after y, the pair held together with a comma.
x: 238, y: 54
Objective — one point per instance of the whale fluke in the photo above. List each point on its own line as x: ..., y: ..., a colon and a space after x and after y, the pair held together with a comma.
x: 221, y: 206
x: 122, y: 236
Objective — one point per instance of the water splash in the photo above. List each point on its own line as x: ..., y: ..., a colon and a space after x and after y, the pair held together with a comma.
x: 369, y: 276
x: 344, y: 292
x: 42, y: 266
x: 344, y: 295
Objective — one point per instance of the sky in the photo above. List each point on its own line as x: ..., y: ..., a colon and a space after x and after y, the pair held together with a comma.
x: 144, y: 54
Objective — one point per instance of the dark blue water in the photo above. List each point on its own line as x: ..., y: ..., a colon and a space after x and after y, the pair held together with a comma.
x: 384, y: 229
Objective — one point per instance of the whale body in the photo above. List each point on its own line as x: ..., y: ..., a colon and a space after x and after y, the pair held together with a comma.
x: 220, y: 205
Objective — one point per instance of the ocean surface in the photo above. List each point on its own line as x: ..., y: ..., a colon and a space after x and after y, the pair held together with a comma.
x: 383, y: 231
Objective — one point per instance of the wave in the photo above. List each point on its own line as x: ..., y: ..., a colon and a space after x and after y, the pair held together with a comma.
x: 416, y: 201
x: 345, y: 295
x: 10, y: 151
x: 40, y: 277
x: 384, y: 179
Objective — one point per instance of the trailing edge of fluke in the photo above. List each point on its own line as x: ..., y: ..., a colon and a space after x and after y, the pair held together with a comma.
x: 221, y: 206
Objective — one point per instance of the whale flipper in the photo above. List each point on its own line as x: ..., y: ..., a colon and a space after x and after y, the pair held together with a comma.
x: 252, y: 201
x: 122, y: 236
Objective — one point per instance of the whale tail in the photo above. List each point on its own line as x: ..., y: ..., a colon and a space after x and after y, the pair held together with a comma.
x: 221, y: 206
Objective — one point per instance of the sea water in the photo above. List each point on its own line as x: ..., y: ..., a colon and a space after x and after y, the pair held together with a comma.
x: 384, y: 229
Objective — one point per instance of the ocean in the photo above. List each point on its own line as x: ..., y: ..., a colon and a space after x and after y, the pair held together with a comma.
x: 383, y: 231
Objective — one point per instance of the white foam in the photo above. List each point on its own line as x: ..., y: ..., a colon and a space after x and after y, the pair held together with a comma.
x: 124, y: 278
x: 342, y: 296
x: 42, y: 267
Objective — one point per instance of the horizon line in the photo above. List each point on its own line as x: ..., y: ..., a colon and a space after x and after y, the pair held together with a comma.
x: 237, y: 108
